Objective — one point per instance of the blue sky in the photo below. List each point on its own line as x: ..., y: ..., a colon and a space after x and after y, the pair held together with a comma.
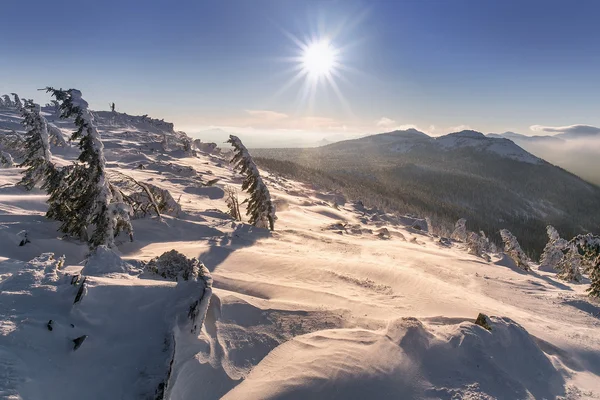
x: 490, y: 65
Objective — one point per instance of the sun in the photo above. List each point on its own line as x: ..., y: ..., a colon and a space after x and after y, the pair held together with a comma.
x: 319, y: 58
x: 317, y: 66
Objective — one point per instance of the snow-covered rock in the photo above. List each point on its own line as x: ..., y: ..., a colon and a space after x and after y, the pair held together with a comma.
x: 104, y: 260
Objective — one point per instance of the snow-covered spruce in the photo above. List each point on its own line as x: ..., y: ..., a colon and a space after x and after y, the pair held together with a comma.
x: 460, y: 230
x: 513, y: 249
x: 569, y: 267
x: 553, y: 251
x: 583, y: 254
x: 38, y: 158
x: 17, y: 102
x: 259, y: 207
x: 85, y: 197
x: 478, y: 245
x: 7, y: 101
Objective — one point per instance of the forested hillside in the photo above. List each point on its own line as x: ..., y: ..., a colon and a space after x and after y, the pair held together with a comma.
x: 491, y: 182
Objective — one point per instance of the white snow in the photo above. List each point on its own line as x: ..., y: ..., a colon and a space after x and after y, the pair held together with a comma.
x: 310, y: 310
x: 500, y: 146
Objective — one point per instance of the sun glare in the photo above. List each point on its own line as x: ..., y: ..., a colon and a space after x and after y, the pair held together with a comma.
x: 317, y: 65
x: 319, y: 58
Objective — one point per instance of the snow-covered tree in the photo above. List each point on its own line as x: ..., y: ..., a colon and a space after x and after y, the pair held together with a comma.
x: 17, y: 102
x: 38, y: 158
x: 259, y: 207
x: 513, y: 249
x: 6, y: 160
x: 478, y: 245
x: 56, y: 136
x: 7, y: 101
x: 583, y: 252
x: 86, y: 196
x: 475, y: 244
x: 233, y: 205
x: 188, y: 146
x: 553, y: 251
x: 569, y: 266
x: 460, y: 230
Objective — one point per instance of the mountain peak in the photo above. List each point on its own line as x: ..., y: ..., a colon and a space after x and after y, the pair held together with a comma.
x: 501, y: 146
x: 468, y: 134
x: 405, y: 133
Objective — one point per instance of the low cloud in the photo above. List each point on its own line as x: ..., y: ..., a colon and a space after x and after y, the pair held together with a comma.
x: 385, y: 122
x: 578, y: 129
x: 267, y: 115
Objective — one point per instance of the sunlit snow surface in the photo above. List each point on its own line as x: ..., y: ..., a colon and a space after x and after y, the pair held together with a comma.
x: 314, y: 309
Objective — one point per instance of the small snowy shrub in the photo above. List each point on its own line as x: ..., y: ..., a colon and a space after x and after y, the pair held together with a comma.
x: 513, y: 249
x: 175, y: 266
x: 259, y: 206
x: 6, y: 160
x: 233, y: 205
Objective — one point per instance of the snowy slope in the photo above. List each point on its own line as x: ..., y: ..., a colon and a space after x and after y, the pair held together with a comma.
x: 329, y: 305
x: 476, y: 140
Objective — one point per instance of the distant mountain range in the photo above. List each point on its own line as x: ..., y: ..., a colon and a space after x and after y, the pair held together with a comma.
x: 578, y: 152
x: 489, y: 180
x: 581, y: 134
x: 517, y: 137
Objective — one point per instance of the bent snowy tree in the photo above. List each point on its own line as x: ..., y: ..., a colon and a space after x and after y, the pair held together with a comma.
x: 513, y: 249
x: 38, y: 158
x: 85, y: 197
x: 259, y: 206
x: 553, y: 251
